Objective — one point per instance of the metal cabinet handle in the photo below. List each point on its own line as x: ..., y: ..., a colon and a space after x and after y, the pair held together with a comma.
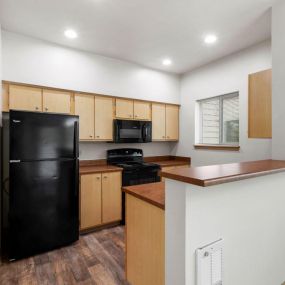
x: 105, y: 177
x: 37, y: 108
x: 98, y: 177
x: 97, y: 136
x: 46, y: 108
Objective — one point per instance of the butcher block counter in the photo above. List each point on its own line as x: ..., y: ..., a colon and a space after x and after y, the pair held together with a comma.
x: 145, y: 228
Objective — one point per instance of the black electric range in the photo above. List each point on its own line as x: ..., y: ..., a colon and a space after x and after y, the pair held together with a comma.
x: 135, y: 170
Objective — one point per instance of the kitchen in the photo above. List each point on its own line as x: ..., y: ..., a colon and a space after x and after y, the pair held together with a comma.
x: 139, y: 121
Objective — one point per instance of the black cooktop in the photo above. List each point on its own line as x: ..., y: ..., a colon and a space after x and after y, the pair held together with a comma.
x: 129, y: 158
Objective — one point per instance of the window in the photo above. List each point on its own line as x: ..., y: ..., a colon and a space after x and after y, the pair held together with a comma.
x: 219, y: 120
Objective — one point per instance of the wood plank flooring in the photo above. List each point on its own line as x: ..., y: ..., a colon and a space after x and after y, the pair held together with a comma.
x: 96, y: 259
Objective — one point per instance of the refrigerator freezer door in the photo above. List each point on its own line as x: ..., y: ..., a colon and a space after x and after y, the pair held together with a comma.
x: 40, y: 136
x: 43, y: 206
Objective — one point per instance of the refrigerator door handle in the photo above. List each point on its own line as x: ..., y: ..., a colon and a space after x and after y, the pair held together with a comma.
x: 76, y: 134
x: 15, y: 161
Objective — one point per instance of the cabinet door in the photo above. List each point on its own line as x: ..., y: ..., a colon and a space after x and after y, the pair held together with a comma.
x: 260, y: 105
x: 103, y: 118
x: 90, y: 201
x: 5, y: 98
x: 25, y: 98
x: 158, y: 122
x: 84, y: 108
x: 142, y: 111
x: 172, y: 122
x: 124, y: 108
x: 111, y: 197
x: 56, y: 101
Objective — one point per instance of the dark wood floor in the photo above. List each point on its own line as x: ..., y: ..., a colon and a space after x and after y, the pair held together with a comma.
x: 97, y: 258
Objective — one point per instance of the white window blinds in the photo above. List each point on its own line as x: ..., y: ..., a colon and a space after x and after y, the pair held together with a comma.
x: 219, y: 120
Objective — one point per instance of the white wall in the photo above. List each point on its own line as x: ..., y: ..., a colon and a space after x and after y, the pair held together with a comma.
x: 221, y: 77
x: 247, y: 214
x: 37, y: 62
x: 98, y: 150
x: 278, y: 63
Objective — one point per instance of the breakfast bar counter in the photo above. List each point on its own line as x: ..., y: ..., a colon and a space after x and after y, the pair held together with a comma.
x: 224, y: 173
x: 153, y: 193
x: 239, y: 204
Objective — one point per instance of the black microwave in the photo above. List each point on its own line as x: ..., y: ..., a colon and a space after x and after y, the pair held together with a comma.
x: 127, y: 131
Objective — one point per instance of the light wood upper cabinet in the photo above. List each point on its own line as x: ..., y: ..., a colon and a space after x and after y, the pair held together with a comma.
x: 260, y: 105
x: 90, y: 201
x: 103, y: 118
x: 25, y: 98
x: 85, y: 109
x: 172, y: 122
x: 158, y: 121
x: 5, y: 97
x: 142, y: 110
x: 124, y: 109
x: 111, y: 197
x: 56, y: 101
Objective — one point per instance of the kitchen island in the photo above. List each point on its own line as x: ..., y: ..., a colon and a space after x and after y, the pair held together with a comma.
x: 240, y: 203
x: 145, y: 231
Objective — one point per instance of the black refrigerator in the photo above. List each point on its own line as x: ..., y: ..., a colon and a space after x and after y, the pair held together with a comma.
x: 40, y: 182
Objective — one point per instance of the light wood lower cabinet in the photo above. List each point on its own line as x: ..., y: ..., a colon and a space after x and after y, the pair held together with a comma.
x: 103, y: 118
x: 100, y: 199
x: 90, y: 200
x: 111, y: 197
x: 56, y: 101
x: 85, y: 109
x: 145, y: 242
x: 25, y: 98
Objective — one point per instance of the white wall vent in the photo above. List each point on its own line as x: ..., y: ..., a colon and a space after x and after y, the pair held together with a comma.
x: 209, y: 264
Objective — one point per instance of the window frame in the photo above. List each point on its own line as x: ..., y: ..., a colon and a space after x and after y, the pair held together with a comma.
x: 221, y: 98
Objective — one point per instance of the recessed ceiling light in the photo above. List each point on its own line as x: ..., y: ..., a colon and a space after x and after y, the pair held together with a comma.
x: 167, y: 61
x: 210, y: 39
x: 71, y: 34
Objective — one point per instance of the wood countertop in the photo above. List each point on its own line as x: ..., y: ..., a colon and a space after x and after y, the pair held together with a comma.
x: 98, y: 168
x: 153, y: 193
x: 100, y: 165
x: 224, y: 173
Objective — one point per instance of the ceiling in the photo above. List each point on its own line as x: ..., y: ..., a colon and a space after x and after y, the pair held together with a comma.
x: 144, y: 31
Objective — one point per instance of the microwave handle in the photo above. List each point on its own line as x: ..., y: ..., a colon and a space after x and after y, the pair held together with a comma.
x: 145, y: 130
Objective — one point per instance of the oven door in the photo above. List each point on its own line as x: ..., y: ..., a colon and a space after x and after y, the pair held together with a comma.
x: 127, y: 131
